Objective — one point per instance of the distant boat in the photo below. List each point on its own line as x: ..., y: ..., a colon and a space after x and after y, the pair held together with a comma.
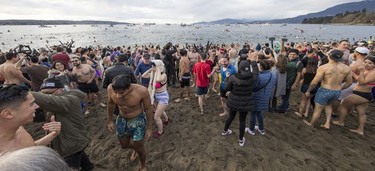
x: 149, y: 24
x: 227, y: 24
x: 44, y: 26
x: 111, y: 25
x: 74, y: 25
x: 183, y: 25
x: 94, y: 25
x: 167, y: 24
x: 283, y: 25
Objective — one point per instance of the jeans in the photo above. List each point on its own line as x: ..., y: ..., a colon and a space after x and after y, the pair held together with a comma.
x: 79, y: 159
x: 285, y: 101
x: 232, y: 115
x: 254, y: 116
x: 171, y: 75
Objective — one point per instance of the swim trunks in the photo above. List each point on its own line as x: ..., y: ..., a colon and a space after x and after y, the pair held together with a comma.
x: 134, y: 128
x: 324, y: 96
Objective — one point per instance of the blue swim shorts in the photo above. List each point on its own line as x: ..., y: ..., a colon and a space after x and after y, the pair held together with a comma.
x: 134, y: 128
x: 324, y: 96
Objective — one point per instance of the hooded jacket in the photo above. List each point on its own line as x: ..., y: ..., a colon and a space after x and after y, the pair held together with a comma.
x: 241, y: 88
x: 67, y: 109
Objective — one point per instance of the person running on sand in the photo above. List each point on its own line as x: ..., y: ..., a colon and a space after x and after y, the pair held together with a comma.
x: 17, y: 107
x: 86, y: 80
x: 133, y: 124
x: 161, y: 95
x: 184, y: 76
x: 9, y: 71
x: 331, y: 76
x: 202, y: 74
x: 361, y: 95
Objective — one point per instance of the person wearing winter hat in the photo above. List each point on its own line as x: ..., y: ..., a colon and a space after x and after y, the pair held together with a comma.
x: 66, y: 106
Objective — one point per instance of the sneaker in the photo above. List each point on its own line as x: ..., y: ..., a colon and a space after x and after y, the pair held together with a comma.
x: 177, y: 100
x: 165, y: 123
x: 249, y: 131
x: 260, y: 131
x: 226, y: 132
x: 157, y: 134
x: 103, y: 105
x: 242, y: 142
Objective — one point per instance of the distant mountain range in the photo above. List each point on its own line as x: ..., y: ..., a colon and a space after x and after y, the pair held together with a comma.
x: 341, y: 8
x: 57, y: 22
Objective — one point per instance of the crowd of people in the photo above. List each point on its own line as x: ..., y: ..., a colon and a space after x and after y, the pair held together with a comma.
x: 61, y: 86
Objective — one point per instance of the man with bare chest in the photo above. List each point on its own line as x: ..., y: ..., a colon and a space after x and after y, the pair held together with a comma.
x: 133, y: 124
x: 10, y: 72
x: 86, y: 81
x: 17, y: 107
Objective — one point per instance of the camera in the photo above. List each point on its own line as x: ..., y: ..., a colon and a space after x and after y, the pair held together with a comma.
x: 284, y: 39
x: 272, y: 39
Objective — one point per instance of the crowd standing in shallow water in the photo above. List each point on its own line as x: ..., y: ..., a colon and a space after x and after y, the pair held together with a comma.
x: 333, y: 77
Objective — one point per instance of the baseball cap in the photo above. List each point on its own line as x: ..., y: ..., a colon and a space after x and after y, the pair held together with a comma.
x: 336, y: 55
x: 362, y: 50
x: 52, y: 82
x: 244, y: 67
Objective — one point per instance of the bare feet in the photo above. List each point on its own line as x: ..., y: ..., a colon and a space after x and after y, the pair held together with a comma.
x: 187, y: 98
x: 357, y: 131
x: 307, y: 123
x: 338, y: 123
x: 87, y: 112
x: 223, y: 114
x: 133, y: 157
x: 298, y: 114
x: 325, y: 126
x: 306, y: 115
x: 214, y: 90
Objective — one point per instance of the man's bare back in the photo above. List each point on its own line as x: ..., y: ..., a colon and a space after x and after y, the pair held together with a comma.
x: 333, y: 75
x: 11, y: 74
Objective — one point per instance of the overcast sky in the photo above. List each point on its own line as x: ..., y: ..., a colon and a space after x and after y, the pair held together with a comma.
x: 160, y: 11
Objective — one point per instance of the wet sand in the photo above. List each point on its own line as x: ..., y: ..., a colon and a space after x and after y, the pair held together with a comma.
x: 194, y: 142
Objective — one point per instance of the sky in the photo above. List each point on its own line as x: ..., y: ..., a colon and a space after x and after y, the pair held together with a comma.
x: 160, y: 11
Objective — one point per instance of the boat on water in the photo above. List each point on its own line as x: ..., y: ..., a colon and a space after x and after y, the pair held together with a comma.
x: 111, y: 25
x: 283, y: 25
x: 167, y: 24
x: 44, y: 26
x: 149, y: 24
x: 94, y: 25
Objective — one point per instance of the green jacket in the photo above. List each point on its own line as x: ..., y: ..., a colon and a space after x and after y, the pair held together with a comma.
x: 67, y: 109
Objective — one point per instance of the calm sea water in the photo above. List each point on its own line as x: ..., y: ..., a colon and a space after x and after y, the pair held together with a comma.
x: 119, y: 35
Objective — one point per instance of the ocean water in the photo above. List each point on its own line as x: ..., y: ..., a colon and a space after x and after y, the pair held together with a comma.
x: 123, y: 35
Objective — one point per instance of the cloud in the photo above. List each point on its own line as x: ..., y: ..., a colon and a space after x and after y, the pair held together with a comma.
x: 160, y: 11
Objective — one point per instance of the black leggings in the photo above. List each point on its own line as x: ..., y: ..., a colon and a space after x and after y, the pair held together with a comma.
x: 232, y: 115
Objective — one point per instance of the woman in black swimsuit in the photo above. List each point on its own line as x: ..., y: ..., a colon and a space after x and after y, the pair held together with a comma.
x: 361, y: 95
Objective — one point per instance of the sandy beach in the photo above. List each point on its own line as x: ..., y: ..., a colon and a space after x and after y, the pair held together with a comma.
x: 194, y: 142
